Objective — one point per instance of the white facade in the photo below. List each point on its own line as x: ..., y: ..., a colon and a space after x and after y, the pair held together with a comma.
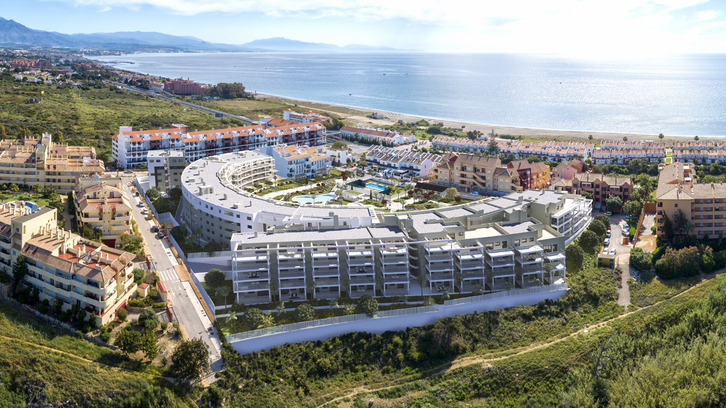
x: 165, y: 169
x: 130, y: 148
x: 489, y: 245
x: 217, y: 204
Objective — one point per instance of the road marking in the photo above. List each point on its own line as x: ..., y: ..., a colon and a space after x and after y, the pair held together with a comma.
x: 168, y: 275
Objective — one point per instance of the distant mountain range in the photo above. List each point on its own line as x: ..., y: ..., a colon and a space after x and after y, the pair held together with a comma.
x: 14, y: 34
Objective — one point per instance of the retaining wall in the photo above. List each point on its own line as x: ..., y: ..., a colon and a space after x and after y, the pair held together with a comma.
x: 394, y: 320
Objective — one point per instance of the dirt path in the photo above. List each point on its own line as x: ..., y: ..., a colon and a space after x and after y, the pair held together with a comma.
x: 77, y: 357
x: 496, y: 356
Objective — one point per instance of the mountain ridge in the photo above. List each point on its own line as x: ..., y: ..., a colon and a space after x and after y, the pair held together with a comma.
x: 13, y: 33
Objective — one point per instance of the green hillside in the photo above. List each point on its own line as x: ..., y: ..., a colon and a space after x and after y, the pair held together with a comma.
x: 41, y: 365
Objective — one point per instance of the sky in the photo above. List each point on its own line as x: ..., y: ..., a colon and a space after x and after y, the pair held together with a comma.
x: 580, y: 28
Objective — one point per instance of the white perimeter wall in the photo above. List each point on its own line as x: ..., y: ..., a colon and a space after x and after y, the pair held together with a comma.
x: 397, y: 323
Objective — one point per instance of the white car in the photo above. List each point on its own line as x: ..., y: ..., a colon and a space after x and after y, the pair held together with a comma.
x: 606, y: 243
x: 612, y: 251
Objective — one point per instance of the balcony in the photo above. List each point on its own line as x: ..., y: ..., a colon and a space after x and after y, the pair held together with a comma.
x: 253, y: 275
x: 251, y: 286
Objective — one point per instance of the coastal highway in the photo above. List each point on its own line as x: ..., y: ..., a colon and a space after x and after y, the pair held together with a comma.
x: 182, y: 102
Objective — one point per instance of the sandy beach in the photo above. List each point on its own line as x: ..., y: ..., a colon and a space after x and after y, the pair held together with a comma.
x: 358, y: 117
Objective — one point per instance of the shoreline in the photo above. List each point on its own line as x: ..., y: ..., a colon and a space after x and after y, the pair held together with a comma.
x: 356, y: 115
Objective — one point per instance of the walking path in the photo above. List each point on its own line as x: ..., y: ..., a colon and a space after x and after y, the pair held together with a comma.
x: 494, y: 356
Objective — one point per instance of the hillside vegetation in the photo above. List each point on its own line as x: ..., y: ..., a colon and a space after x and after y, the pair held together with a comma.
x: 39, y: 365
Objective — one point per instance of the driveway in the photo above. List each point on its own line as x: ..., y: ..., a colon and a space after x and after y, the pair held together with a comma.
x: 622, y: 257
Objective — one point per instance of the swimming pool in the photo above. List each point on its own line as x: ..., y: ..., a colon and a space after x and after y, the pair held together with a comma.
x: 377, y: 186
x: 323, y: 198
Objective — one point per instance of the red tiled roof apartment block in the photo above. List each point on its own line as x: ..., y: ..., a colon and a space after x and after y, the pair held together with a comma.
x: 130, y: 149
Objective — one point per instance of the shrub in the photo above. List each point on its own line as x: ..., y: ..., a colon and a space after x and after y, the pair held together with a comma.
x: 214, y: 278
x: 159, y: 305
x: 253, y: 318
x: 148, y: 319
x: 106, y: 336
x: 164, y: 325
x: 79, y: 334
x: 86, y: 328
x: 63, y: 317
x: 367, y: 305
x: 641, y: 260
x: 304, y: 313
x: 122, y: 314
x: 43, y: 308
x: 678, y: 263
x: 658, y: 253
x: 598, y: 228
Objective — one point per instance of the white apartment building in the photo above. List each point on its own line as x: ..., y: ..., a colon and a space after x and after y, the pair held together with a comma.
x: 489, y: 245
x: 165, y: 169
x: 130, y: 148
x: 420, y: 163
x: 296, y: 162
x: 384, y: 137
x: 307, y: 117
x: 216, y: 203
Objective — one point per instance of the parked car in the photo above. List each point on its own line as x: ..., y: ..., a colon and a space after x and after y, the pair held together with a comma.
x: 608, y: 213
x: 626, y: 232
x: 612, y: 251
x: 606, y: 243
x: 607, y: 234
x: 128, y: 172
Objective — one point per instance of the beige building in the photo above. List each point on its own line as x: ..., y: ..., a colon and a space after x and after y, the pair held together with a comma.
x: 474, y: 173
x: 104, y: 207
x: 703, y: 205
x: 42, y: 162
x: 61, y: 265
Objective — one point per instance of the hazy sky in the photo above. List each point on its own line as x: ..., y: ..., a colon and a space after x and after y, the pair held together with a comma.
x: 587, y: 28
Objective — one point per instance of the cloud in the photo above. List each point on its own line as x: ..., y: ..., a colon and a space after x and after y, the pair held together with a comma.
x: 513, y: 25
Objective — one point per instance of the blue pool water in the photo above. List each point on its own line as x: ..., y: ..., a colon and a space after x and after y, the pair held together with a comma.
x: 376, y: 186
x: 324, y: 198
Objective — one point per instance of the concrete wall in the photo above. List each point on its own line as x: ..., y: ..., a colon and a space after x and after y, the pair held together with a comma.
x: 401, y: 319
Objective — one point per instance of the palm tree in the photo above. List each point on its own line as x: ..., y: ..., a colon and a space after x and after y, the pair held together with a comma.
x: 421, y: 279
x: 222, y: 291
x: 660, y: 136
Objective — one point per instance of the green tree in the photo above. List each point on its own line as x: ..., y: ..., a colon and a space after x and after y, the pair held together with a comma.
x: 574, y: 256
x: 128, y: 341
x: 493, y: 147
x: 153, y: 194
x: 149, y: 345
x: 304, y: 313
x: 14, y: 188
x: 589, y: 241
x: 224, y: 90
x: 641, y: 260
x: 214, y: 278
x: 20, y: 269
x: 452, y: 192
x: 660, y: 136
x: 598, y: 228
x: 613, y: 203
x: 148, y: 319
x: 253, y: 318
x: 367, y: 305
x: 222, y: 291
x: 339, y: 145
x: 604, y: 219
x: 211, y: 247
x: 633, y: 208
x: 191, y: 360
x: 175, y: 193
x: 3, y: 133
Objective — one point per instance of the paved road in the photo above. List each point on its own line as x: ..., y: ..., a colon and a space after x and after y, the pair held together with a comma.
x: 187, y: 308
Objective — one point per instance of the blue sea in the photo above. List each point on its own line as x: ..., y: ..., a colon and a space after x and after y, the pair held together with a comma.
x: 684, y: 95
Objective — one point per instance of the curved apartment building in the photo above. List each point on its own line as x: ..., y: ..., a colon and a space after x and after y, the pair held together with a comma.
x: 216, y: 205
x: 291, y: 252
